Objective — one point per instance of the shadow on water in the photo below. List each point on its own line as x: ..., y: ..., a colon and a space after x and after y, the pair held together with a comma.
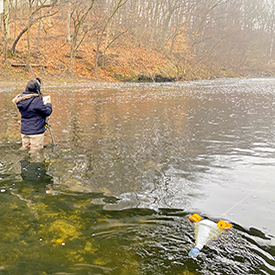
x: 132, y: 163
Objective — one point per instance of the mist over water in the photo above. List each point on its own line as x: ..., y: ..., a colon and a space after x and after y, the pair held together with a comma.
x: 132, y: 162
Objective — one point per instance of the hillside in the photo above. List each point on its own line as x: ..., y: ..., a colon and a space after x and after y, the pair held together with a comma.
x: 125, y: 61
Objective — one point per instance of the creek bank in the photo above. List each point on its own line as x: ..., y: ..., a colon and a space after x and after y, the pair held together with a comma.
x: 145, y: 78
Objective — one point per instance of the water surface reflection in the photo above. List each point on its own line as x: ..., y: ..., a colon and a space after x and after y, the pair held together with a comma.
x: 133, y: 160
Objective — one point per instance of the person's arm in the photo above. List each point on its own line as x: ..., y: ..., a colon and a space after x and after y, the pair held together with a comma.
x: 43, y: 109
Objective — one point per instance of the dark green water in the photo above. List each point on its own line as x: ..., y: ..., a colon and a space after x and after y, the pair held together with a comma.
x: 132, y: 162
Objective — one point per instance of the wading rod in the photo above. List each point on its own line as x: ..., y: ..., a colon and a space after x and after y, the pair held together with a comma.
x: 47, y: 123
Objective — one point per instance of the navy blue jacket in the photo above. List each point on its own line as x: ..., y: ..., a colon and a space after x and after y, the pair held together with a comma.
x: 33, y: 112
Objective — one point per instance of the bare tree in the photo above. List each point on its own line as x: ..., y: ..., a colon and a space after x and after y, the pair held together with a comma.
x: 68, y: 22
x: 230, y: 34
x: 33, y: 17
x: 6, y: 16
x: 80, y: 11
x: 118, y: 4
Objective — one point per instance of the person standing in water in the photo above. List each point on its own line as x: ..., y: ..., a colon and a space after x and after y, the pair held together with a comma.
x: 33, y: 115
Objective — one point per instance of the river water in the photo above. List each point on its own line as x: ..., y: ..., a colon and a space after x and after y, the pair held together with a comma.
x: 132, y: 162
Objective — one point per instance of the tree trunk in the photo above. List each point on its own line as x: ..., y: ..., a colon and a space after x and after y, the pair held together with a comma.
x: 105, y: 45
x: 16, y: 5
x: 28, y: 43
x: 153, y: 28
x: 39, y: 29
x: 119, y: 4
x: 68, y: 39
x: 6, y: 28
x: 72, y: 51
x: 6, y: 18
x: 165, y: 29
x: 21, y: 12
x: 17, y: 39
x: 78, y: 15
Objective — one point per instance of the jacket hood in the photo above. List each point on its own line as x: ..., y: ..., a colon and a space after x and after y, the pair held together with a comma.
x: 23, y: 101
x: 22, y: 97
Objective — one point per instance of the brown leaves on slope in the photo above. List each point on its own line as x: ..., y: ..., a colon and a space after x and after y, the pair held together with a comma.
x: 49, y: 48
